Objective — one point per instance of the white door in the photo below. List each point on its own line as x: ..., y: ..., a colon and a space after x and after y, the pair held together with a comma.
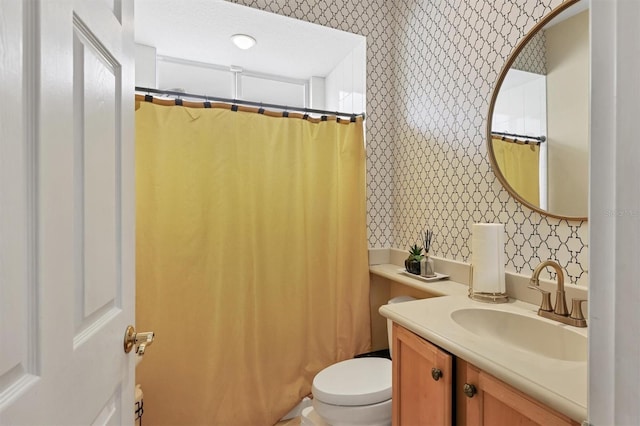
x: 66, y: 211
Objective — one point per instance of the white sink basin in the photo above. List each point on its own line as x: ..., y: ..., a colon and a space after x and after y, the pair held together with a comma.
x: 523, y: 332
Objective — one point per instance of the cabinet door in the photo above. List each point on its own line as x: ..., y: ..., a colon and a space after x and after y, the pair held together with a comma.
x: 495, y: 403
x: 421, y: 395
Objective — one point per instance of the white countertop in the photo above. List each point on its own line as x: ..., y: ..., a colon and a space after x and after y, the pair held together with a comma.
x: 437, y: 288
x: 562, y: 385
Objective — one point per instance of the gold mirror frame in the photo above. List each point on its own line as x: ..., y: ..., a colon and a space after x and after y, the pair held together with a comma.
x: 503, y: 73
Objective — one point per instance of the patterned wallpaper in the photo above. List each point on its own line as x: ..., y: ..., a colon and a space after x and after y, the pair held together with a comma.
x: 431, y: 67
x: 533, y: 57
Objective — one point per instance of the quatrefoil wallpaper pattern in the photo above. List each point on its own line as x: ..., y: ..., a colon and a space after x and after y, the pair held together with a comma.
x: 431, y: 68
x: 533, y: 57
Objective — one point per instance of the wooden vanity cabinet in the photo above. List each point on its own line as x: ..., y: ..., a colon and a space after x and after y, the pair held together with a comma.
x: 419, y: 400
x: 497, y: 403
x: 422, y: 381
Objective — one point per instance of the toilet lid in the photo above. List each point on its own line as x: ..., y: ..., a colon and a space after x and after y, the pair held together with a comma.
x: 358, y: 381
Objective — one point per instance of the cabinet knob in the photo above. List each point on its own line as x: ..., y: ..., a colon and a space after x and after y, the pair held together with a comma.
x: 436, y: 373
x: 469, y: 390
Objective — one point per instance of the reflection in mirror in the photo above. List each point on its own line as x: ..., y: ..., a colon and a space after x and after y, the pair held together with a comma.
x: 539, y: 139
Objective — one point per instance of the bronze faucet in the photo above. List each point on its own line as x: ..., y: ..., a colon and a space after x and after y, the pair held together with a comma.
x: 559, y: 313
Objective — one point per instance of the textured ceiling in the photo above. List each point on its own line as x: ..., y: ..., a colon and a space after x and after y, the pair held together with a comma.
x: 200, y: 30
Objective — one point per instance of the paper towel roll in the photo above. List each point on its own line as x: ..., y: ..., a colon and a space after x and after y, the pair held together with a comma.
x: 487, y: 254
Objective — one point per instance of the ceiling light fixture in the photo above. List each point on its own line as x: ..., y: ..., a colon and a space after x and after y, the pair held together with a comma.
x: 243, y: 41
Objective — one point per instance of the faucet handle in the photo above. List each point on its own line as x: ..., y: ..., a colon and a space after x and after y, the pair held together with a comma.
x: 545, y: 305
x: 576, y: 309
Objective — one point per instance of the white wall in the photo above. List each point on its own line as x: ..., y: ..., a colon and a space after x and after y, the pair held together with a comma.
x: 317, y: 93
x: 568, y: 114
x: 145, y: 66
x: 268, y: 90
x: 521, y: 105
x: 161, y: 72
x: 342, y: 90
x: 345, y: 85
x: 195, y: 78
x: 614, y: 214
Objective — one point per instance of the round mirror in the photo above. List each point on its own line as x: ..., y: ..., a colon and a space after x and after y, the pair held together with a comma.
x: 538, y: 127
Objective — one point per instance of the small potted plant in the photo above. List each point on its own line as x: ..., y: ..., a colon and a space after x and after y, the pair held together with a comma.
x: 412, y: 263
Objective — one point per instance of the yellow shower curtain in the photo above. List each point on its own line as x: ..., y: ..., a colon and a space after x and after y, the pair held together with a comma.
x: 520, y: 166
x: 251, y: 260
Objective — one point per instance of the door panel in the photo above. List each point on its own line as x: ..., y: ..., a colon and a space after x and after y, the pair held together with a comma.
x: 67, y: 212
x: 96, y: 182
x: 110, y: 413
x: 19, y: 352
x: 419, y: 397
x: 496, y: 403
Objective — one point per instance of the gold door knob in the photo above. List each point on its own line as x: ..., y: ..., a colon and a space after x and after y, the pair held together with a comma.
x: 469, y: 390
x: 436, y: 373
x: 142, y: 340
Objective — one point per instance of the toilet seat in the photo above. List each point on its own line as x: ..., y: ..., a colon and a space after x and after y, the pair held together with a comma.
x: 354, y: 382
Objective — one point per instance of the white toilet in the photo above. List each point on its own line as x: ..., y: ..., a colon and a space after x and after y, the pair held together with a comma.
x: 355, y: 392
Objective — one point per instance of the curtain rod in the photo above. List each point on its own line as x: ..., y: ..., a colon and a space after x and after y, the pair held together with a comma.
x: 538, y: 139
x: 243, y: 102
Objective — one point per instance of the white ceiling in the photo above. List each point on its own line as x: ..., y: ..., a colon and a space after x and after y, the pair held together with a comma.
x: 200, y: 30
